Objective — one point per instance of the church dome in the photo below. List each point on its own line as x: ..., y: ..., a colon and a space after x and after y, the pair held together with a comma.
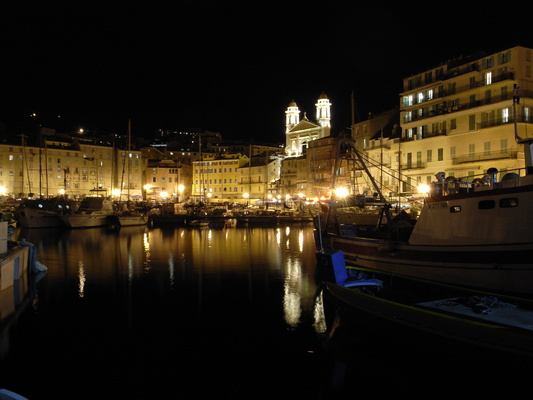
x: 292, y: 104
x: 323, y: 96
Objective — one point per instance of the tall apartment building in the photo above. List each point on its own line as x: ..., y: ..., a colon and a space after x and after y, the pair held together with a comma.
x: 459, y: 118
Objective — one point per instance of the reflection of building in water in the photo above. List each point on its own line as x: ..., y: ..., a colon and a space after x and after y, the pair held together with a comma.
x: 291, y: 294
x: 298, y: 279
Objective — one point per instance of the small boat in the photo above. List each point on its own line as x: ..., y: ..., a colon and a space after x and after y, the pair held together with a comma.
x: 126, y: 214
x: 423, y: 307
x: 126, y: 218
x: 272, y: 218
x: 198, y: 223
x: 468, y: 233
x: 93, y: 212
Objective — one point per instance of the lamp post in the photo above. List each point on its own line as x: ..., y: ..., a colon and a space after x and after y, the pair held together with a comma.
x: 180, y: 192
x: 146, y: 189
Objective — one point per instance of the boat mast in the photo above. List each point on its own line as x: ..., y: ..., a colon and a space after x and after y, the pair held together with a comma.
x: 350, y: 146
x: 525, y: 142
x: 128, y: 158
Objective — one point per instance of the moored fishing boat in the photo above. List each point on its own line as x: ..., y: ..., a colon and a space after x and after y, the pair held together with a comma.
x: 92, y: 212
x: 468, y: 234
x: 418, y: 307
x: 42, y: 213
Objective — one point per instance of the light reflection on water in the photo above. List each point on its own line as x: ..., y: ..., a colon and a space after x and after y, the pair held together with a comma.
x: 232, y: 293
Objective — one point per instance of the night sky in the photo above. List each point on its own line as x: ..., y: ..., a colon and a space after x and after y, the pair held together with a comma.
x: 226, y: 66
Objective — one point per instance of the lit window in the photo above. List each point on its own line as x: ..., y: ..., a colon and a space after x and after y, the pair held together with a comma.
x: 488, y: 78
x: 505, y: 115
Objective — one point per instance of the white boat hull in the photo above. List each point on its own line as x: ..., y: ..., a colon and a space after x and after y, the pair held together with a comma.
x: 132, y: 220
x: 481, y: 239
x: 74, y: 221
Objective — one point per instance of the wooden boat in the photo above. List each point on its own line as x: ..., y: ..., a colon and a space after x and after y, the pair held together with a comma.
x: 41, y: 213
x: 127, y: 218
x: 93, y: 212
x: 451, y: 312
x: 471, y: 235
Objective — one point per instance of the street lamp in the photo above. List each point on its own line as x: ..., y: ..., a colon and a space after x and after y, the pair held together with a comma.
x: 146, y: 189
x: 180, y: 191
x: 246, y: 196
x: 423, y: 189
x: 341, y: 192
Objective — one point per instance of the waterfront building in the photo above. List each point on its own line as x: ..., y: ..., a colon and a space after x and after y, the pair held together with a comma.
x: 467, y: 116
x: 215, y: 178
x: 293, y: 177
x: 168, y: 180
x: 76, y: 168
x: 257, y: 179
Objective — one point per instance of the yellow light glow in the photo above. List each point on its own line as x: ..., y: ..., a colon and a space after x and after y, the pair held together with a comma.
x: 423, y: 188
x: 341, y: 192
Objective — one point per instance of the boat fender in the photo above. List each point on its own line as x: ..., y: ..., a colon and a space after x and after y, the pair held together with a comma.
x: 33, y: 264
x: 39, y: 267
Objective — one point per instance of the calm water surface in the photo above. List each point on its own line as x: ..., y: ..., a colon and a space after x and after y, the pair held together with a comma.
x: 168, y: 313
x: 233, y: 313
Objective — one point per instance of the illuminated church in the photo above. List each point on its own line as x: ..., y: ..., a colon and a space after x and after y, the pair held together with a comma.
x: 298, y: 133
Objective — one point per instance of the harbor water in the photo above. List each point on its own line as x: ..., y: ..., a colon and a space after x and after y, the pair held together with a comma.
x: 235, y: 313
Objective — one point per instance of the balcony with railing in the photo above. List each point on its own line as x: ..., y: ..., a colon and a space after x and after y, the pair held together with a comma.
x: 442, y: 93
x: 413, y: 165
x: 485, y: 156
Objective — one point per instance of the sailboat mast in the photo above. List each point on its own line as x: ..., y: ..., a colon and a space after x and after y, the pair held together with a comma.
x: 128, y: 157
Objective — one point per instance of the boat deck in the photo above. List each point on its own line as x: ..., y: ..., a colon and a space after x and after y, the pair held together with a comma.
x: 501, y: 313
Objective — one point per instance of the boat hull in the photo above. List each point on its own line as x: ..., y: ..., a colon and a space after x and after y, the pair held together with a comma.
x: 119, y: 220
x: 132, y: 221
x: 33, y: 218
x: 77, y: 221
x: 504, y: 269
x: 484, y: 330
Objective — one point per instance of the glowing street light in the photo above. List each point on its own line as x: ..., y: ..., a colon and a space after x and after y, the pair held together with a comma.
x: 181, y: 188
x: 341, y: 192
x: 423, y: 189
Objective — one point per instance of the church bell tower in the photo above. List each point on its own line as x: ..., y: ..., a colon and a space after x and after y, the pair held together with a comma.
x: 292, y: 116
x: 323, y: 111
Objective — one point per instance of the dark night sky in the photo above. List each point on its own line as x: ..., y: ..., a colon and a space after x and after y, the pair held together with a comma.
x: 227, y: 66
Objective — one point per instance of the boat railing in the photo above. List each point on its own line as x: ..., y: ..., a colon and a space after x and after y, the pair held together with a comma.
x: 446, y: 185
